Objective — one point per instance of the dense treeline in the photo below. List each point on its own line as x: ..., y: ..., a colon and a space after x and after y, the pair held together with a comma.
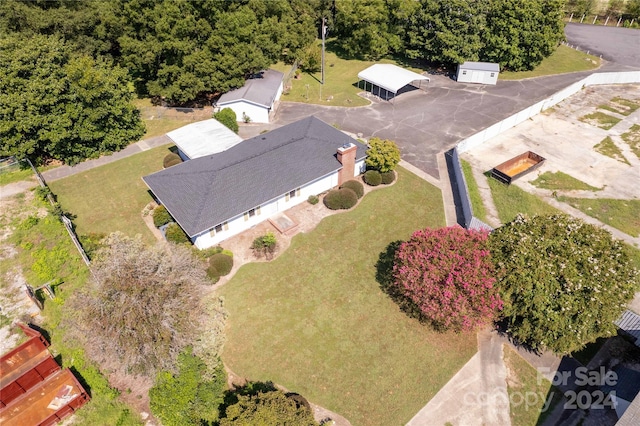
x: 183, y: 50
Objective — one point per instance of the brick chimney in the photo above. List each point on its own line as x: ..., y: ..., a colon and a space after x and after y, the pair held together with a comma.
x: 347, y: 157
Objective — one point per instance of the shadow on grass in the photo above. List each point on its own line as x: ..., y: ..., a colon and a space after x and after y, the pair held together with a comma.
x: 384, y: 277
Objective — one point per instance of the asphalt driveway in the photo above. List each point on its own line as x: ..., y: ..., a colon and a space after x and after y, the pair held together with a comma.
x: 426, y: 122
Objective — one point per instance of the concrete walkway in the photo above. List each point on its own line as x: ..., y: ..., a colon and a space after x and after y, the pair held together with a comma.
x: 476, y: 395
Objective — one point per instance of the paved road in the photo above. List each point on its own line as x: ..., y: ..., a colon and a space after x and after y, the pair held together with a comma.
x: 426, y: 122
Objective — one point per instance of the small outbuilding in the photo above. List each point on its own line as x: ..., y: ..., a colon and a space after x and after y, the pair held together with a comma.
x: 478, y: 72
x: 257, y: 99
x: 203, y: 138
x: 387, y: 80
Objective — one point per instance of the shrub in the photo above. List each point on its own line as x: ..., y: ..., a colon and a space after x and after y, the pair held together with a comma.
x: 448, y: 275
x: 355, y: 186
x: 340, y: 199
x: 222, y: 263
x: 161, y: 216
x: 227, y: 117
x: 372, y: 177
x: 171, y: 159
x: 313, y: 199
x: 388, y: 177
x: 563, y: 281
x: 175, y: 234
x: 382, y: 155
x: 264, y: 245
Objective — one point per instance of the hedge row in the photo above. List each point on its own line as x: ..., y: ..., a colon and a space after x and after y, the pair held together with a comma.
x: 355, y: 186
x: 340, y: 199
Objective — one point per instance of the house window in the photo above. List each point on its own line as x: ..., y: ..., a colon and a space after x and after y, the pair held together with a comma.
x: 493, y: 74
x: 224, y: 226
x: 251, y: 213
x: 292, y: 194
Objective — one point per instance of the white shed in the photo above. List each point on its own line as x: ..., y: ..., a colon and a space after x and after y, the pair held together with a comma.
x: 203, y: 138
x: 256, y: 99
x: 387, y: 80
x: 478, y: 72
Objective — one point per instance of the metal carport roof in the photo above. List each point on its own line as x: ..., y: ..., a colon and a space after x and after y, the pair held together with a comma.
x: 390, y: 77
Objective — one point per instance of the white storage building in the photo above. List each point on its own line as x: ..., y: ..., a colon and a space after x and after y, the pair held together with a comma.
x: 478, y: 72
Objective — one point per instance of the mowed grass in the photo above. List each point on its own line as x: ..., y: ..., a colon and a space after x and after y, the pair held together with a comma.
x: 563, y: 60
x: 621, y: 214
x: 339, y: 88
x: 511, y: 200
x: 111, y: 197
x: 531, y: 396
x: 315, y: 320
x: 632, y: 138
x: 474, y: 193
x: 562, y: 182
x: 610, y: 149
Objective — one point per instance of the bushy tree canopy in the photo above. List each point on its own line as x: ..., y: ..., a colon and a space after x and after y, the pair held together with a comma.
x: 55, y: 104
x: 192, y: 395
x: 563, y: 282
x: 227, y: 117
x: 447, y: 273
x: 266, y: 409
x: 145, y: 306
x: 382, y: 155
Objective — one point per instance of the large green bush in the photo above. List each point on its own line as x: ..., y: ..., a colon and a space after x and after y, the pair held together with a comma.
x: 388, y: 177
x: 355, y: 186
x: 563, y: 281
x: 175, y: 234
x: 382, y: 155
x: 372, y: 177
x: 227, y: 117
x: 340, y: 199
x: 219, y: 265
x: 264, y: 245
x: 171, y: 159
x: 161, y: 216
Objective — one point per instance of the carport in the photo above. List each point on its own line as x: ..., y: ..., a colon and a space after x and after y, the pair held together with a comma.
x: 387, y: 81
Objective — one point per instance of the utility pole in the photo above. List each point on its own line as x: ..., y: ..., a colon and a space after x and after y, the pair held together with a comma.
x: 324, y: 31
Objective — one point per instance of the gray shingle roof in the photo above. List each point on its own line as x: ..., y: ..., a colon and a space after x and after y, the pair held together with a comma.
x: 204, y: 192
x: 261, y: 90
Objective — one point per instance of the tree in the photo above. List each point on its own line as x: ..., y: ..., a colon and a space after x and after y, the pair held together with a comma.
x: 632, y: 8
x: 563, y: 282
x: 519, y: 34
x: 265, y: 409
x: 446, y: 31
x: 145, y: 306
x: 382, y: 155
x: 55, y: 104
x: 227, y: 117
x: 192, y: 395
x: 448, y: 275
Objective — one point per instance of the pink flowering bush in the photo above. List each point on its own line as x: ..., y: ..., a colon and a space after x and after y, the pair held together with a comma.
x: 447, y: 274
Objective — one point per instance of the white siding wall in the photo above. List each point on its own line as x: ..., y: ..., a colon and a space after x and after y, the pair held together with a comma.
x: 258, y: 114
x: 476, y: 76
x: 238, y: 224
x: 279, y: 92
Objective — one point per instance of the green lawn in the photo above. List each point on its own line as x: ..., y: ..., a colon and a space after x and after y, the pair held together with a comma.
x: 600, y: 119
x: 511, y: 200
x: 340, y: 77
x: 474, y: 193
x: 563, y: 60
x: 111, y: 197
x: 562, y: 182
x: 610, y: 149
x: 528, y: 391
x: 632, y: 138
x: 621, y: 214
x: 315, y: 320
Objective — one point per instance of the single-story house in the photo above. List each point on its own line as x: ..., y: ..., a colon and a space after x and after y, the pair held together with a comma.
x: 203, y: 138
x: 478, y: 72
x: 218, y: 196
x: 387, y: 80
x: 256, y: 99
